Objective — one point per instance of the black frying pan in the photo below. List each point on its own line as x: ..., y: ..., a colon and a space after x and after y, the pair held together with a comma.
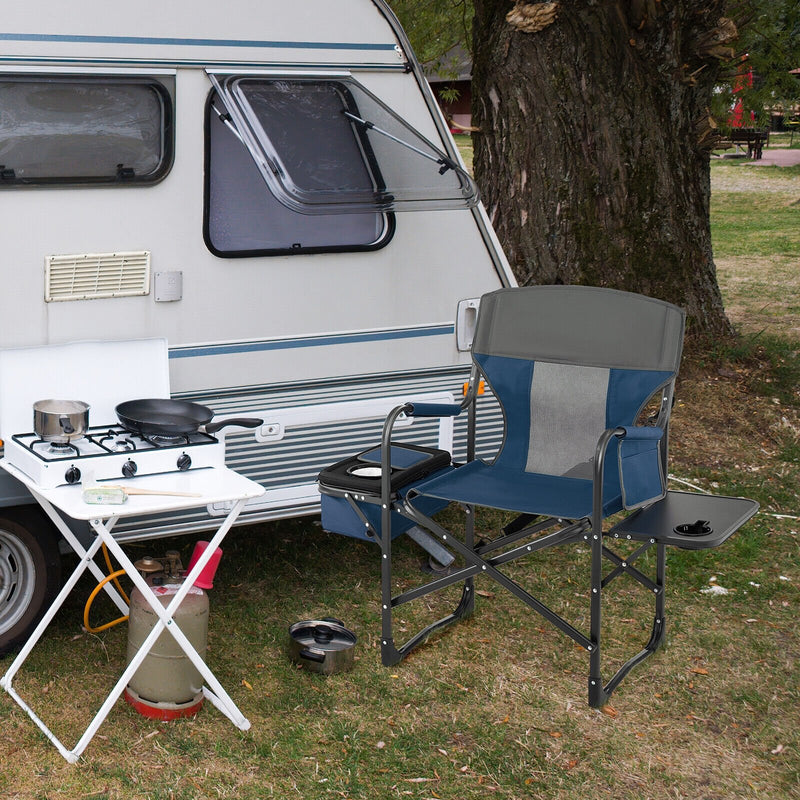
x: 173, y: 418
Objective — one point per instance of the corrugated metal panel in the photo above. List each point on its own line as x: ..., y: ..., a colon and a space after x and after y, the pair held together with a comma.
x: 296, y: 460
x: 89, y: 276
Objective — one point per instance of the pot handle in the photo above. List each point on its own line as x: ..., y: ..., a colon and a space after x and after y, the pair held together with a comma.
x: 312, y: 655
x: 66, y: 425
x: 242, y: 422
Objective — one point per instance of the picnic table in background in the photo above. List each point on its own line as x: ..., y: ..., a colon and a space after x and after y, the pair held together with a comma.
x: 754, y: 138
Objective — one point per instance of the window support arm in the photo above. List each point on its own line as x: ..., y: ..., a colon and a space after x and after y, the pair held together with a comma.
x: 446, y: 163
x: 225, y: 119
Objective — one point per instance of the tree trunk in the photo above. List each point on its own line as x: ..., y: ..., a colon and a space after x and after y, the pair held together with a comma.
x: 593, y: 150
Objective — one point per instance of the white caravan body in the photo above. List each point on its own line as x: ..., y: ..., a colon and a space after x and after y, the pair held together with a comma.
x: 321, y: 339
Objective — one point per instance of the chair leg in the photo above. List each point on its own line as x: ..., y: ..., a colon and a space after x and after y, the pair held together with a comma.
x: 390, y: 653
x: 598, y: 693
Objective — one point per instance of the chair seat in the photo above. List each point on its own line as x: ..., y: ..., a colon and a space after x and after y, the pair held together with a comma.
x: 481, y: 484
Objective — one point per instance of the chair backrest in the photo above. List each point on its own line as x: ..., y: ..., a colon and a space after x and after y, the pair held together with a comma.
x: 568, y: 362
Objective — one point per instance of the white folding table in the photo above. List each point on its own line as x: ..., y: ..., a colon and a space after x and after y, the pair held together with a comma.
x: 214, y: 486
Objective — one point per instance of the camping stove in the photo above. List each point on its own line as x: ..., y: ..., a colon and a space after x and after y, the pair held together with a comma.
x: 103, y: 375
x: 109, y: 453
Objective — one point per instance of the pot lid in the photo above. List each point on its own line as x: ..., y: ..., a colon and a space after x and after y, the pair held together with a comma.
x: 322, y: 635
x: 102, y: 374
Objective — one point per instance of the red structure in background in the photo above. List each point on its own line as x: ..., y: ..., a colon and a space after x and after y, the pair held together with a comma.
x: 743, y: 80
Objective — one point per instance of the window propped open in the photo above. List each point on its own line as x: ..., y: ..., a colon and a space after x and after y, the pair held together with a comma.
x: 328, y: 145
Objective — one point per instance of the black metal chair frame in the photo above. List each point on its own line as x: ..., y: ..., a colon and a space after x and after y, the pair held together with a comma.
x: 527, y: 534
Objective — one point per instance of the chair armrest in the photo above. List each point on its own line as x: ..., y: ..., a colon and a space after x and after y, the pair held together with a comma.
x: 642, y: 433
x: 433, y: 409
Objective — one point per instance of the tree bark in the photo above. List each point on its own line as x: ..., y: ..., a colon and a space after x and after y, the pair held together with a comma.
x: 593, y: 147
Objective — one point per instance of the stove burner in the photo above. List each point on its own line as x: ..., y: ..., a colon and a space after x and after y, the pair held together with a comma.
x: 118, y: 443
x: 56, y: 448
x: 161, y: 439
x: 61, y: 448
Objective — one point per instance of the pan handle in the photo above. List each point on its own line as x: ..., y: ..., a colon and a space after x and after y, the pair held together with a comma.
x: 241, y: 422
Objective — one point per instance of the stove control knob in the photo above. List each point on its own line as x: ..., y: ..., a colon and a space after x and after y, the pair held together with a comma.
x: 184, y: 462
x: 72, y: 475
x: 129, y: 468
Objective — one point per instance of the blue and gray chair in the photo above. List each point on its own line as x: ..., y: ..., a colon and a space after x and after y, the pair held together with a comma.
x: 574, y: 369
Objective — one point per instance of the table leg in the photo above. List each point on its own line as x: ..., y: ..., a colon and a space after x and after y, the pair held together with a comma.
x: 216, y: 694
x: 7, y: 679
x: 73, y: 542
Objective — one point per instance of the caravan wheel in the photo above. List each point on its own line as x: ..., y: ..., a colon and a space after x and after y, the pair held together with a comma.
x: 30, y: 572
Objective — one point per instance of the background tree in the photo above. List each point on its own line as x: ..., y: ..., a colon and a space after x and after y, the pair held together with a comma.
x: 593, y: 151
x: 595, y: 131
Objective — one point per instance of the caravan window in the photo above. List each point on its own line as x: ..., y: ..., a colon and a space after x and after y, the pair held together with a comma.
x: 242, y: 215
x: 83, y: 130
x: 330, y: 146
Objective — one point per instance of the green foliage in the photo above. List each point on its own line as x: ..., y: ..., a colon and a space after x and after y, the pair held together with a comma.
x: 769, y: 46
x: 435, y: 27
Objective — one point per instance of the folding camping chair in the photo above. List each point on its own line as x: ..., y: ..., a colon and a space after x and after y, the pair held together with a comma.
x: 573, y: 369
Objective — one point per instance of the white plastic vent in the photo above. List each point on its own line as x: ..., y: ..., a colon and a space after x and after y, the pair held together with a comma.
x: 90, y: 276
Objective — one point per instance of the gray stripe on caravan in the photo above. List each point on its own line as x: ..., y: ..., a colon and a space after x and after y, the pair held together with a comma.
x: 193, y: 62
x: 171, y: 41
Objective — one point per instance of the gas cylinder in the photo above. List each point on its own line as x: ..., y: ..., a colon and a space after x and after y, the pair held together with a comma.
x: 166, y: 685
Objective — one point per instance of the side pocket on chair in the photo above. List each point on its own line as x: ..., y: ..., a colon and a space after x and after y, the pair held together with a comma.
x: 640, y: 467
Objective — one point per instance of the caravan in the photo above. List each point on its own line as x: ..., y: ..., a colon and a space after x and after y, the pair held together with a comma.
x: 267, y: 190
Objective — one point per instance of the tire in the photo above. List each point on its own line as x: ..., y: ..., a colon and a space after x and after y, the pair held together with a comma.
x: 30, y: 572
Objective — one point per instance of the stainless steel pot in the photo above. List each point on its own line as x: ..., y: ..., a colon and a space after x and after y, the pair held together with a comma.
x: 322, y: 645
x: 60, y: 421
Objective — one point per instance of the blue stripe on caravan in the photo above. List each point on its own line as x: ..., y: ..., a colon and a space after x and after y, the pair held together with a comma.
x: 309, y: 341
x: 158, y: 40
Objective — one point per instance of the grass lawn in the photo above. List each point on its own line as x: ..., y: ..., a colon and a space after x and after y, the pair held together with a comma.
x: 495, y: 707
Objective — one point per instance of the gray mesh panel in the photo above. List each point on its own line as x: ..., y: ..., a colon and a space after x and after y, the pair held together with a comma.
x: 581, y: 325
x: 568, y: 414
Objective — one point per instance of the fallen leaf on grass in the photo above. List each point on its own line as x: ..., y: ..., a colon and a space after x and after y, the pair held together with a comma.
x: 380, y: 745
x: 418, y: 780
x: 501, y: 721
x: 779, y: 749
x: 610, y: 711
x: 700, y: 671
x: 484, y: 593
x: 556, y: 734
x: 247, y: 685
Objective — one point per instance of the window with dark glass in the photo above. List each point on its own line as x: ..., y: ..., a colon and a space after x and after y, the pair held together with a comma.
x: 242, y: 214
x: 83, y: 130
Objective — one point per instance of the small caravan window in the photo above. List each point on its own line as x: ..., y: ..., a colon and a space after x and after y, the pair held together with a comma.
x: 83, y: 129
x: 243, y: 217
x: 328, y: 145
